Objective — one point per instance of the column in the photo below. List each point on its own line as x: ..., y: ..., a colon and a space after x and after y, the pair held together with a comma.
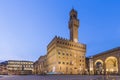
x: 104, y: 67
x: 94, y: 68
x: 118, y: 65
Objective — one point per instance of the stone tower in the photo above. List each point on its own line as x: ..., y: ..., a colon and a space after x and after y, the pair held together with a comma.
x: 73, y: 26
x: 66, y: 56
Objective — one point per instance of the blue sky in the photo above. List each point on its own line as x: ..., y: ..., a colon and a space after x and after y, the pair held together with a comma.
x: 27, y: 26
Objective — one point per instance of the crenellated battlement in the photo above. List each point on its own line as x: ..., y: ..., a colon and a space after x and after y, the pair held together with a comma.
x: 59, y: 41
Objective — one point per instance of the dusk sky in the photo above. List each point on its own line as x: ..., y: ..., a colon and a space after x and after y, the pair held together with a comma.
x: 27, y: 26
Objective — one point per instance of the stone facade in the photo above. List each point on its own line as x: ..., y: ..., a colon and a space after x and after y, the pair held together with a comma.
x: 66, y: 57
x: 89, y: 65
x: 35, y: 67
x: 40, y: 65
x: 3, y: 69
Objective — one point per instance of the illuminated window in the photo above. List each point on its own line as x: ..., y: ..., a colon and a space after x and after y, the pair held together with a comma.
x: 58, y: 52
x: 67, y: 63
x: 75, y: 68
x: 67, y: 54
x: 59, y: 62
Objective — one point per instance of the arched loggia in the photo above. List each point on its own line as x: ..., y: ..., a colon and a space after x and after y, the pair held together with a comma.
x: 111, y: 65
x: 99, y: 67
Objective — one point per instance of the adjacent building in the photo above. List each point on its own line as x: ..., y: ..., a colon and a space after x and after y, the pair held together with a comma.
x: 107, y: 62
x: 35, y: 67
x: 3, y: 69
x: 18, y: 67
x: 89, y: 65
x: 40, y: 65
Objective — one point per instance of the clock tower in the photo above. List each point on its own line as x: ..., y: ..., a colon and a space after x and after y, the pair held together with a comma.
x: 73, y: 26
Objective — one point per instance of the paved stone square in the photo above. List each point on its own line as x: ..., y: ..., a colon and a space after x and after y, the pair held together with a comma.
x: 58, y: 77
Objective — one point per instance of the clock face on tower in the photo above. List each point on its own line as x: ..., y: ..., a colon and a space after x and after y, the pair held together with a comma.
x: 75, y: 40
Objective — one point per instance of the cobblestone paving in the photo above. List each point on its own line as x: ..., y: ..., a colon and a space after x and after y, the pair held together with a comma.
x: 59, y: 77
